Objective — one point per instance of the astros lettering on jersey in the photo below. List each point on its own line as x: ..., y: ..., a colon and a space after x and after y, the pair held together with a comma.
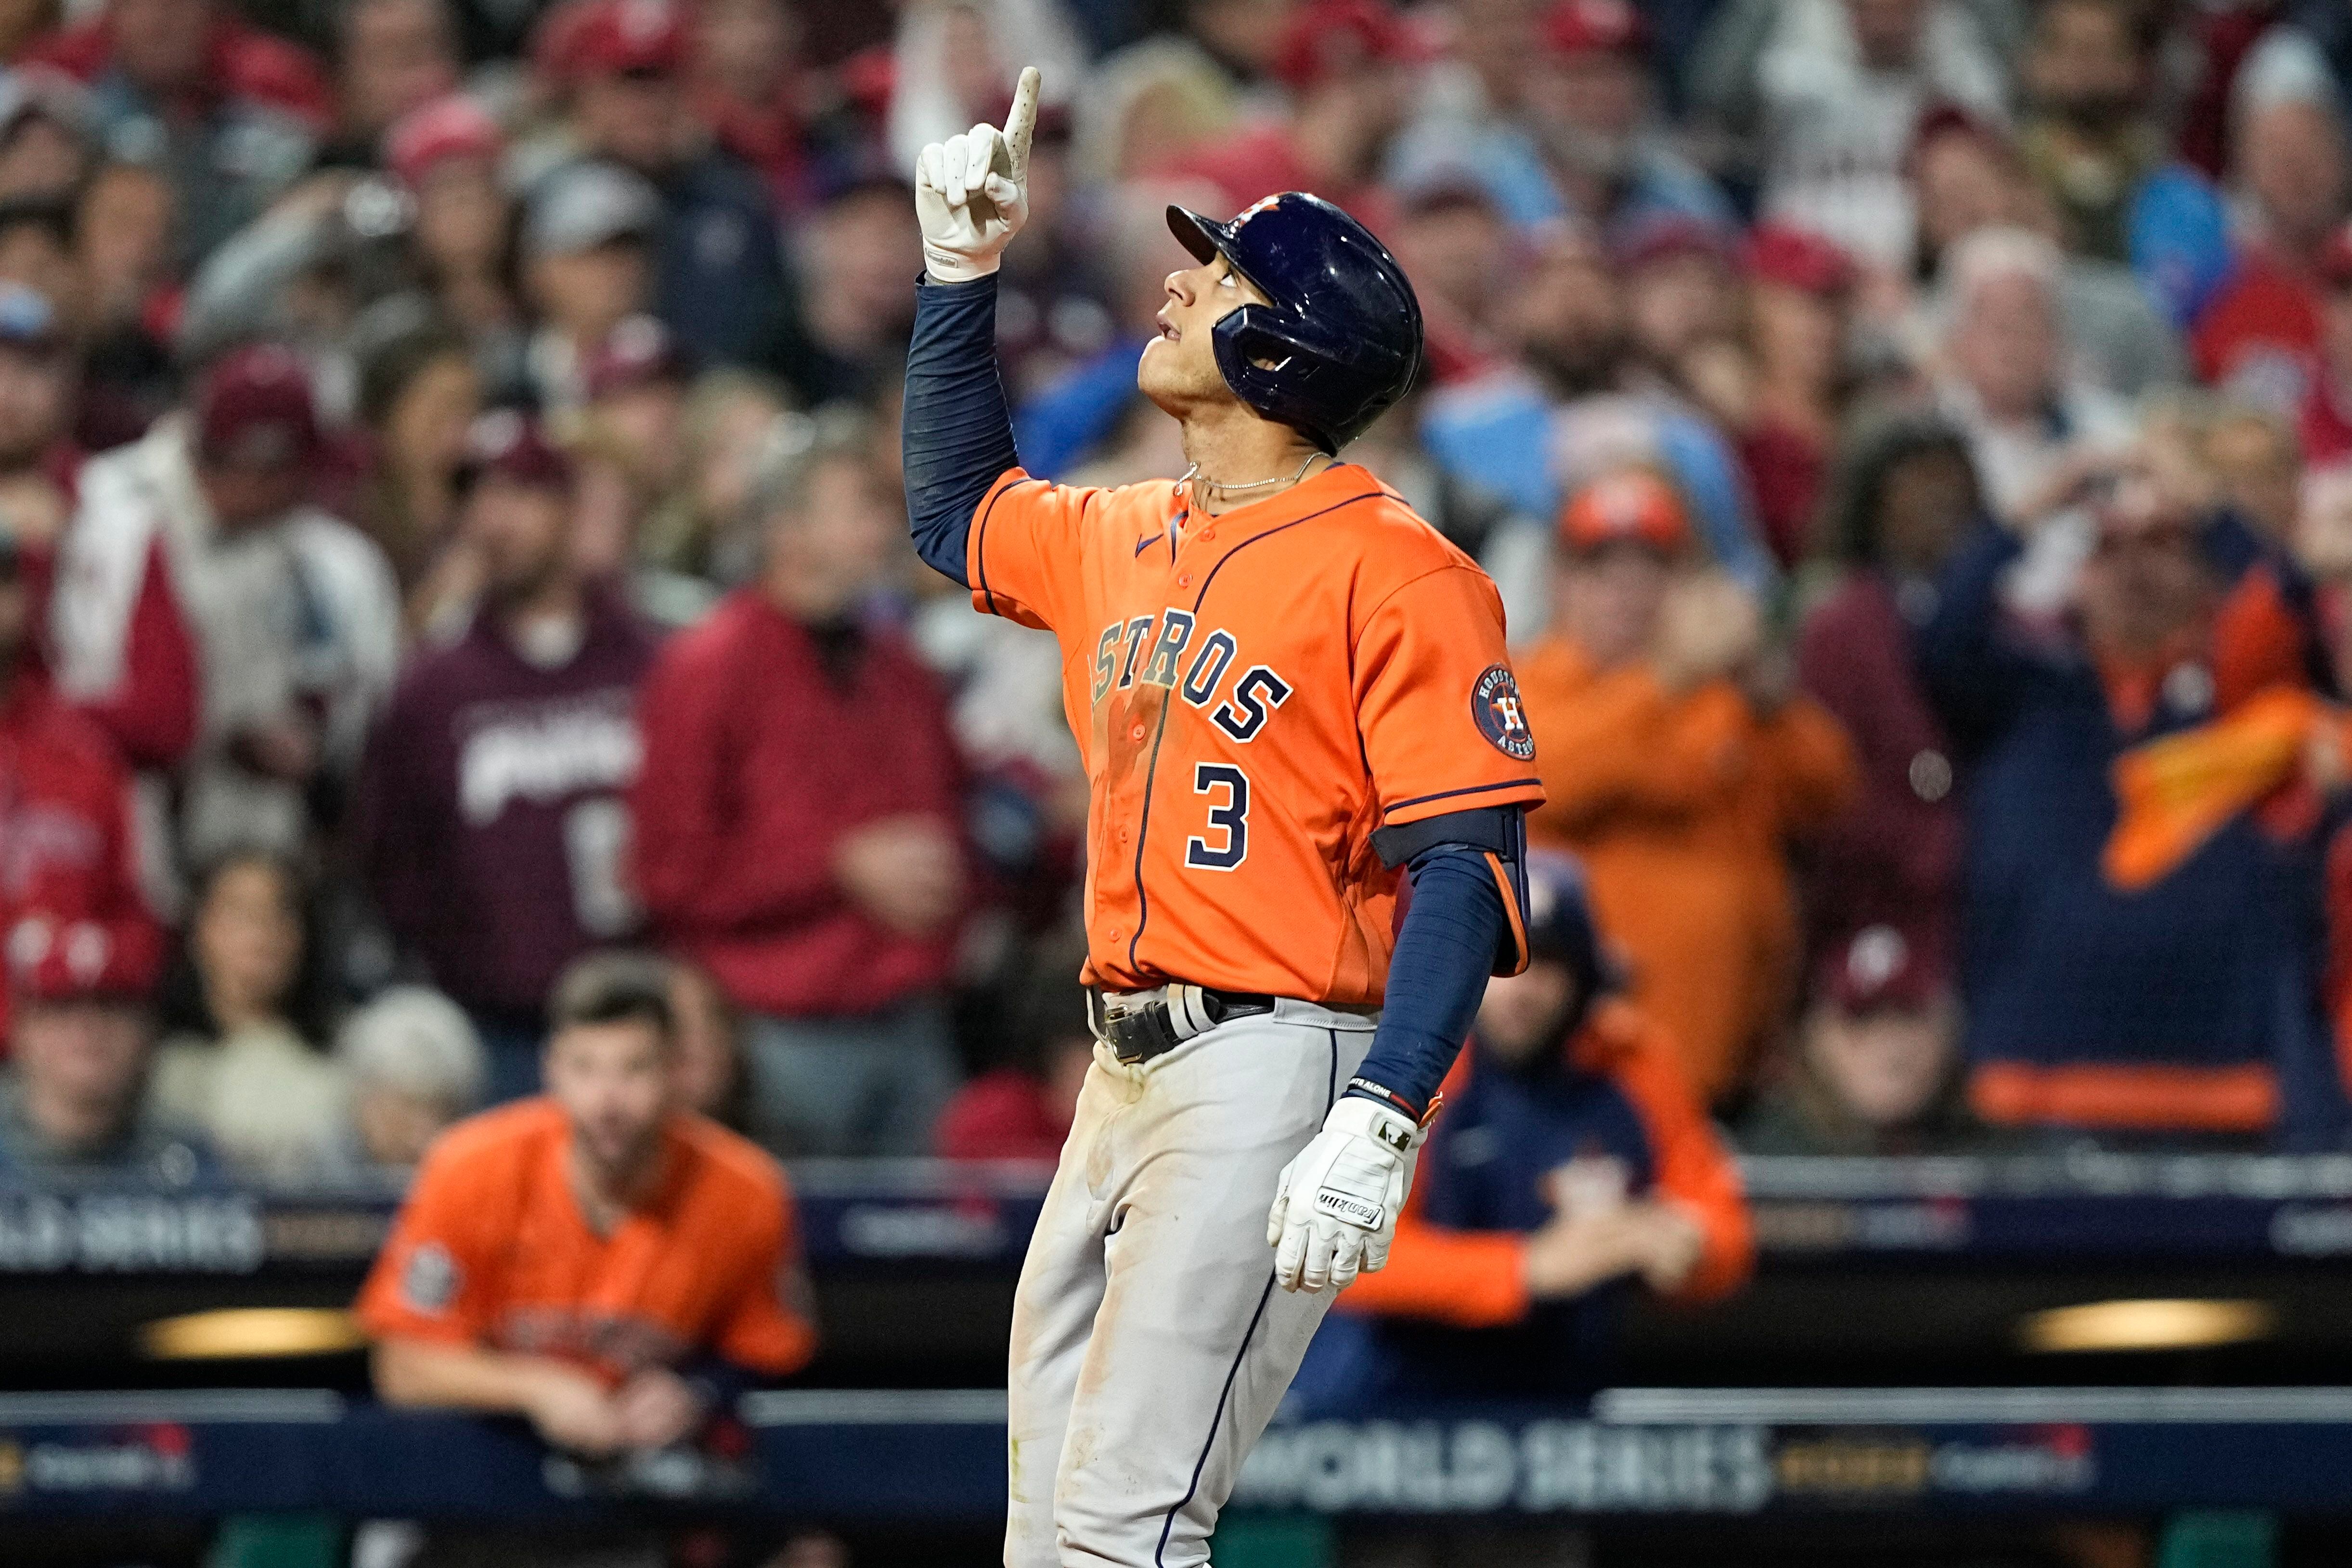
x: 1329, y: 613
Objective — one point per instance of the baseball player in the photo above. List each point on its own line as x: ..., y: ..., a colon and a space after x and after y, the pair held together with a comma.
x: 1292, y: 697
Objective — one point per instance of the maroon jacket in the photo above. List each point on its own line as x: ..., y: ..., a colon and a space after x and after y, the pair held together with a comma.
x: 493, y: 815
x: 758, y: 760
x: 1893, y: 857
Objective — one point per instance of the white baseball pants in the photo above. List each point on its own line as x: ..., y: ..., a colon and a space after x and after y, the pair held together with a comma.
x: 1149, y: 1344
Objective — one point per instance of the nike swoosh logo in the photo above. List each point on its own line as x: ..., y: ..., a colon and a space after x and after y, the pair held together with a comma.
x: 1142, y: 545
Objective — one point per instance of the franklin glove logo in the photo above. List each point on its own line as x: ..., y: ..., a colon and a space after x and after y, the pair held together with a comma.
x: 1347, y: 1206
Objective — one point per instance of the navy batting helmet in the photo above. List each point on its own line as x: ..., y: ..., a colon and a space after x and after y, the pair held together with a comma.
x: 1340, y: 340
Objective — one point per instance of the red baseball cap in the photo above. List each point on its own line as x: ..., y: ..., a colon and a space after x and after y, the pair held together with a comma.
x: 582, y: 38
x: 1661, y: 237
x: 453, y: 126
x: 637, y: 352
x: 1797, y: 258
x: 1630, y: 504
x: 254, y: 409
x: 1331, y: 35
x: 510, y: 444
x: 56, y: 961
x: 1595, y: 26
x: 1879, y: 967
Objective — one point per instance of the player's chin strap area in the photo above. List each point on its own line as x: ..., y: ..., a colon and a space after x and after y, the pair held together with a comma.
x: 1141, y: 1025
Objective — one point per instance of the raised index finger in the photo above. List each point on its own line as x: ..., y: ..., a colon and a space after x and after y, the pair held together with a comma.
x: 1021, y: 125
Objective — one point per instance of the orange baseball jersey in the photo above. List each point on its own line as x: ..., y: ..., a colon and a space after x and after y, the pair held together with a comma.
x: 492, y: 1250
x: 1256, y: 694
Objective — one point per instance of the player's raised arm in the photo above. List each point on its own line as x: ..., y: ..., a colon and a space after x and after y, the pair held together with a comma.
x: 972, y: 196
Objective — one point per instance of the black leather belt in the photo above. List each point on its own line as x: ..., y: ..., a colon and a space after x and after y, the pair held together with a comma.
x: 1141, y: 1025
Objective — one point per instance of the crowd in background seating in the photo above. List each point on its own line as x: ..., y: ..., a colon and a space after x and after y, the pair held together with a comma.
x: 450, y: 523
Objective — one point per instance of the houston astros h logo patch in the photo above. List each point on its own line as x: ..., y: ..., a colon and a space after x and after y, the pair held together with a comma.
x: 1502, y: 718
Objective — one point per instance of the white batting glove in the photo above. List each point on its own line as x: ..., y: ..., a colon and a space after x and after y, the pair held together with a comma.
x: 1334, y: 1206
x: 972, y: 192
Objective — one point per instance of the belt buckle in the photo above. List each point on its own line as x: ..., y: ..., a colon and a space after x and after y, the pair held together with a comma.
x: 1142, y: 1029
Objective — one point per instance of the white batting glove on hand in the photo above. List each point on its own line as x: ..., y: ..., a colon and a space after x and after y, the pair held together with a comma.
x: 1335, y: 1207
x: 972, y: 192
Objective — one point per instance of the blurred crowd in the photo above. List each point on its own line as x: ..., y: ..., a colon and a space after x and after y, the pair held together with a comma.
x: 450, y: 523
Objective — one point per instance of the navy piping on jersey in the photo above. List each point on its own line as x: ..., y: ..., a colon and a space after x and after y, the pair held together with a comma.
x: 1199, y: 597
x: 1450, y: 794
x: 1151, y: 768
x: 980, y: 549
x: 1217, y: 1420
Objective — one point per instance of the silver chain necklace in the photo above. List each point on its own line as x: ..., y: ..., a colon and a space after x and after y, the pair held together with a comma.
x: 1215, y: 488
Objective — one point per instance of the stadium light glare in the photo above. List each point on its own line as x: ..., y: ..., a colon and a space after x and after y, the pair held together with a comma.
x: 2155, y: 1324
x: 244, y: 1332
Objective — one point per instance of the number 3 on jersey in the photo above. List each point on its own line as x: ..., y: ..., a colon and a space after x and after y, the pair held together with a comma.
x: 1227, y: 788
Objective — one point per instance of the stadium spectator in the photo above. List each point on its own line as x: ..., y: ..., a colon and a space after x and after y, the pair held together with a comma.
x: 232, y: 114
x: 37, y: 456
x: 414, y: 1066
x: 1680, y: 297
x: 712, y: 1078
x: 728, y: 416
x: 2010, y: 387
x: 1574, y: 1160
x: 2325, y: 417
x: 45, y: 143
x: 1561, y: 410
x: 1343, y: 61
x: 1023, y: 1109
x: 1829, y: 91
x: 854, y: 326
x: 2087, y: 139
x: 244, y: 1021
x: 1058, y: 303
x: 629, y: 443
x: 797, y: 816
x: 153, y: 718
x: 66, y: 814
x: 493, y: 815
x: 1905, y: 496
x: 419, y: 392
x: 74, y: 1106
x: 2256, y: 460
x: 2256, y: 336
x: 1677, y: 763
x: 750, y: 86
x: 391, y: 57
x: 446, y: 154
x: 1878, y: 1065
x: 1591, y: 105
x: 1969, y: 176
x: 2165, y: 1006
x: 37, y: 251
x: 597, y: 1261
x: 124, y: 246
x: 1799, y: 298
x: 294, y: 615
x: 587, y: 266
x: 719, y: 268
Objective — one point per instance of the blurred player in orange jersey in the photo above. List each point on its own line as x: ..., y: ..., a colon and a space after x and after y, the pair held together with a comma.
x: 1572, y: 1163
x: 604, y: 1264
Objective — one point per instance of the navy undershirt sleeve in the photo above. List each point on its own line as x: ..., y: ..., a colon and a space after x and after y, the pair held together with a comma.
x: 1437, y: 976
x: 957, y: 431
